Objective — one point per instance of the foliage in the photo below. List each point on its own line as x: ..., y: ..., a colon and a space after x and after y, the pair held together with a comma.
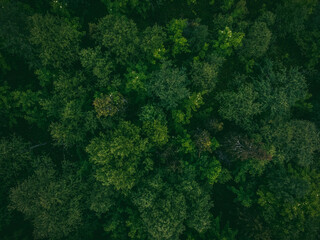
x: 119, y: 157
x: 297, y: 141
x: 118, y: 35
x: 169, y: 85
x: 14, y: 34
x: 257, y: 42
x: 51, y: 201
x: 296, y: 203
x: 58, y: 40
x: 15, y: 161
x: 227, y: 41
x: 159, y: 119
x: 240, y: 106
x: 125, y: 6
x: 290, y: 87
x: 109, y: 105
x: 71, y: 119
x: 204, y: 75
x: 166, y: 217
x: 98, y: 63
x: 180, y: 43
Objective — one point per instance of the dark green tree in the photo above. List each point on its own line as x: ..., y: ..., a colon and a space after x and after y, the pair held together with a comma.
x: 119, y: 36
x: 56, y: 39
x: 52, y: 201
x: 169, y: 85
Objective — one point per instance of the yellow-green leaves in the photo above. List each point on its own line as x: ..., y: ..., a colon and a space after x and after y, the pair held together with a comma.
x: 154, y: 125
x: 156, y: 132
x: 153, y: 43
x: 190, y: 105
x: 119, y: 157
x: 136, y: 79
x: 175, y: 30
x: 227, y: 41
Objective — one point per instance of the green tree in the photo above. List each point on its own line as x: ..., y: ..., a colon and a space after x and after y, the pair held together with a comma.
x: 127, y: 6
x: 163, y: 216
x: 153, y: 43
x: 109, y: 105
x: 119, y: 36
x: 257, y: 41
x: 56, y: 39
x: 164, y: 205
x: 279, y: 89
x: 175, y: 33
x: 150, y: 111
x: 14, y: 32
x: 99, y: 64
x: 197, y: 36
x: 154, y: 125
x: 67, y: 107
x: 240, y: 106
x: 120, y: 158
x: 295, y: 141
x: 15, y: 162
x: 169, y: 84
x: 17, y: 104
x: 227, y: 41
x: 204, y: 74
x: 52, y: 201
x: 289, y: 202
x: 292, y: 15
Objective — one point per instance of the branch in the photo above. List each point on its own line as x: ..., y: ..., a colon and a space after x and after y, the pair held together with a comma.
x: 39, y: 145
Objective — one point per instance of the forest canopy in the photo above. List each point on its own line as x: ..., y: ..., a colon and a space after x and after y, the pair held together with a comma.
x: 160, y: 119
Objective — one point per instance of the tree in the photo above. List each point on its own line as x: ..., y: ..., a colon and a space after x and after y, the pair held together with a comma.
x: 227, y: 41
x: 163, y: 216
x: 71, y: 119
x: 52, y: 201
x: 57, y: 40
x: 152, y: 43
x: 156, y: 131
x: 257, y: 41
x: 169, y: 85
x: 120, y: 158
x: 15, y: 162
x: 279, y: 89
x: 240, y: 106
x: 119, y: 36
x: 306, y: 39
x: 18, y: 104
x: 151, y: 111
x: 99, y: 64
x: 109, y: 105
x: 166, y: 217
x: 289, y: 202
x: 197, y: 36
x: 291, y: 16
x: 154, y: 125
x: 204, y: 74
x: 14, y: 32
x: 175, y: 32
x: 136, y: 81
x: 296, y: 142
x: 127, y: 6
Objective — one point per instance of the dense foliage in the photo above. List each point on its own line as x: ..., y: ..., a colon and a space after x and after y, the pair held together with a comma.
x: 160, y: 119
